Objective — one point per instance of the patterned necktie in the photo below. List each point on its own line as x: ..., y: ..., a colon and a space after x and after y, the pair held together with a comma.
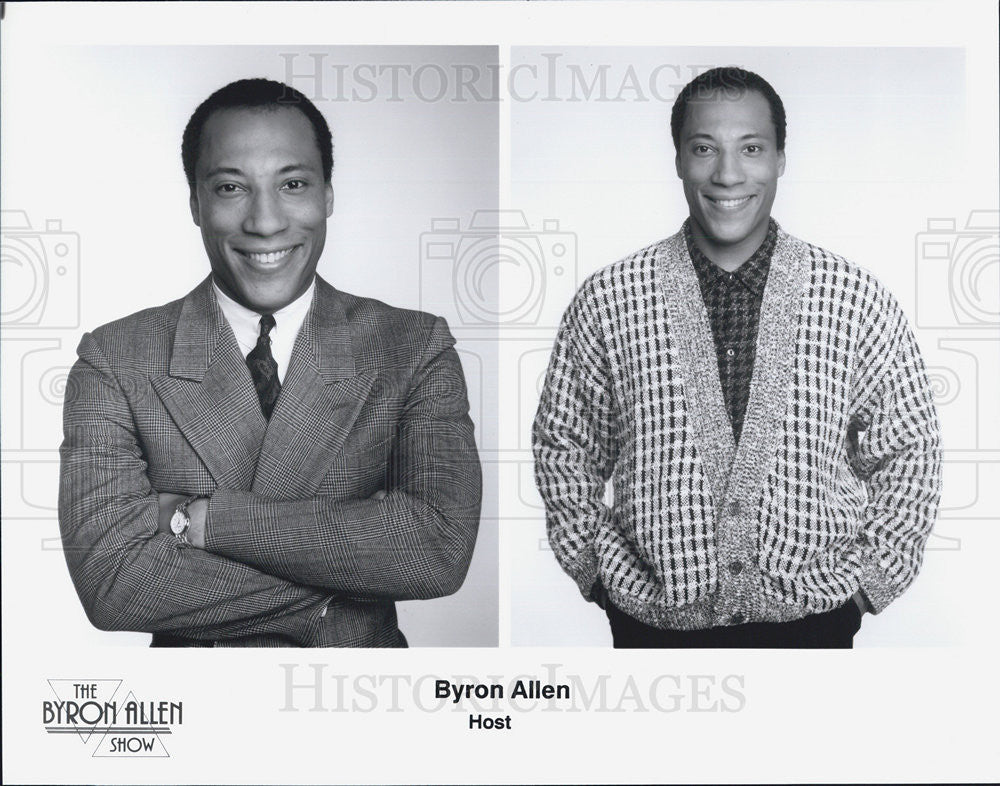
x: 263, y: 369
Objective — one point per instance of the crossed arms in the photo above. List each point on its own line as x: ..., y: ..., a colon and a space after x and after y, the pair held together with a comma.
x: 268, y: 566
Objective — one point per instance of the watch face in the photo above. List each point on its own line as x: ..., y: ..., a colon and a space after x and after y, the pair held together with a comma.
x: 179, y: 522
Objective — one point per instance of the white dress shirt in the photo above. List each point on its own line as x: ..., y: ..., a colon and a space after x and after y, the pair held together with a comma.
x: 287, y: 321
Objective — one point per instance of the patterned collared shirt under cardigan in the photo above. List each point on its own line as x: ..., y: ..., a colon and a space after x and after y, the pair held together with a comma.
x: 733, y: 300
x: 831, y: 486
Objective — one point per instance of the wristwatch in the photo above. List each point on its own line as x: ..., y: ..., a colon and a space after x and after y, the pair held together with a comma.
x: 180, y: 522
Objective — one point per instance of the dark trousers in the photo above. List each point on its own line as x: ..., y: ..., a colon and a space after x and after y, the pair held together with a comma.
x: 830, y: 630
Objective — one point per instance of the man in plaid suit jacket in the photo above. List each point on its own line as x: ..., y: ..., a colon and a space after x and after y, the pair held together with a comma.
x: 214, y: 492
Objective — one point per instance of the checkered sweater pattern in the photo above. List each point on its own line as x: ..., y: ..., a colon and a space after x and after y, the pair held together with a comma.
x: 833, y: 485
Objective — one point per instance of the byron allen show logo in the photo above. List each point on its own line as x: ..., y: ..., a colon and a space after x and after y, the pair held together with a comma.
x: 108, y: 719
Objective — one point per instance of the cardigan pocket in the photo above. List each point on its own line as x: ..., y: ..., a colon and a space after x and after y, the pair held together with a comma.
x: 622, y: 569
x: 665, y: 561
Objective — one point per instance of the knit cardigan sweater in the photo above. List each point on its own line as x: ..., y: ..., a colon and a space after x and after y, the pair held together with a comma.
x: 833, y: 486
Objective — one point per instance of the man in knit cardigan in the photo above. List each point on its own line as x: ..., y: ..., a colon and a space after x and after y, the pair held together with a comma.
x: 758, y: 404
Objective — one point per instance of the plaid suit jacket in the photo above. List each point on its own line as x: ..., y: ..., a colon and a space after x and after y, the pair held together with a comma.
x: 296, y: 553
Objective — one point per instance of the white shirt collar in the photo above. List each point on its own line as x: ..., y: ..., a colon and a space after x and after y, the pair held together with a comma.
x: 287, y: 323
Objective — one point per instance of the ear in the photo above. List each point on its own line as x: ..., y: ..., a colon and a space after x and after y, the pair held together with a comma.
x: 781, y: 163
x: 193, y: 203
x: 677, y: 164
x: 329, y: 200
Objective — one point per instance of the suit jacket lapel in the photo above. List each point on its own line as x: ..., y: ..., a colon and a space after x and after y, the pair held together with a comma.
x: 320, y: 399
x: 209, y: 392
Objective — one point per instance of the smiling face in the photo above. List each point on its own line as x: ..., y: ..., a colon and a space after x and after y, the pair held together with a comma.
x: 729, y: 161
x: 261, y: 202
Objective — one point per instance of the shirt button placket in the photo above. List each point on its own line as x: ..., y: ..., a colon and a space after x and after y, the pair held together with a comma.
x: 736, y: 565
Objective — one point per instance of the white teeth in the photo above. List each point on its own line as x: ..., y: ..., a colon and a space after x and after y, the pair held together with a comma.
x: 269, y: 258
x: 731, y: 202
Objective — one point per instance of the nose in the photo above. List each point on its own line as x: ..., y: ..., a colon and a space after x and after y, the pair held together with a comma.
x: 265, y: 215
x: 728, y: 169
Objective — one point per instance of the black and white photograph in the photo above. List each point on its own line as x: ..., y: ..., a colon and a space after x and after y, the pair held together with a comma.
x: 744, y: 427
x: 268, y: 437
x: 381, y: 381
x: 815, y: 504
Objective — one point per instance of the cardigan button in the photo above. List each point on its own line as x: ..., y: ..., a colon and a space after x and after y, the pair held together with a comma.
x: 735, y: 508
x: 735, y: 567
x: 738, y: 619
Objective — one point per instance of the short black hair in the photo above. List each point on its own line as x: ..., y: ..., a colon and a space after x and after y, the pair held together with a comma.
x: 733, y: 82
x: 263, y: 94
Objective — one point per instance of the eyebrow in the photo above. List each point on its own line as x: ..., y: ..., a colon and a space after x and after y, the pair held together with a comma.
x: 228, y: 170
x: 742, y: 138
